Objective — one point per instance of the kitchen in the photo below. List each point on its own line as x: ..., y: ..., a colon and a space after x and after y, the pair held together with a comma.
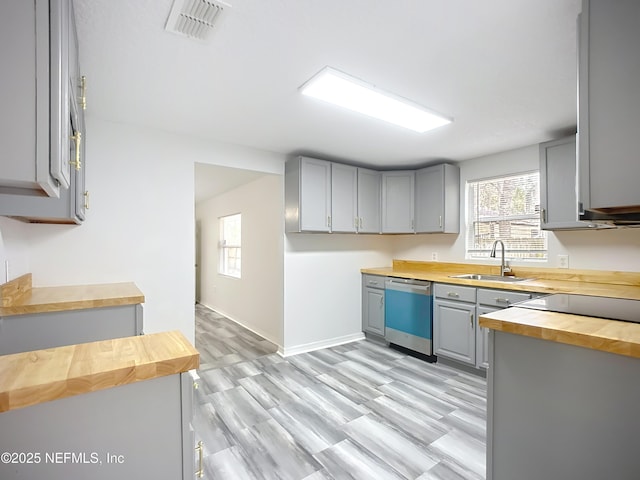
x: 141, y: 178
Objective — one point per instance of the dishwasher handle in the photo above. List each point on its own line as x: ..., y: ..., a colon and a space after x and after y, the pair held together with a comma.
x: 422, y: 287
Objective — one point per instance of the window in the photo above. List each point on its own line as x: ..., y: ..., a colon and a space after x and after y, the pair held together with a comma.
x: 230, y: 245
x: 508, y: 209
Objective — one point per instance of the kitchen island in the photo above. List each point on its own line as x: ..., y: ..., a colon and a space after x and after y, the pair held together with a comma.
x: 563, y: 396
x: 119, y: 408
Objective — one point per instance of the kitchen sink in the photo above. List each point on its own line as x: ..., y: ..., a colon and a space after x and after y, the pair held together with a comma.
x: 490, y: 278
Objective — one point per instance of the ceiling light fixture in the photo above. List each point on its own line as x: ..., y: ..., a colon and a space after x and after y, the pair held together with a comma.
x: 336, y: 87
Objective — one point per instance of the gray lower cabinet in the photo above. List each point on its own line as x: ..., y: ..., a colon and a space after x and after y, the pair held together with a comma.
x: 398, y: 201
x: 373, y: 305
x: 456, y: 332
x: 557, y: 411
x: 438, y: 199
x: 24, y: 333
x: 137, y: 430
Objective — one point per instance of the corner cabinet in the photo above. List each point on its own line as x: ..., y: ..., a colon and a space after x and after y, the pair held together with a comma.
x: 398, y: 201
x: 43, y: 132
x: 373, y: 305
x: 608, y: 105
x: 438, y: 199
x: 307, y: 194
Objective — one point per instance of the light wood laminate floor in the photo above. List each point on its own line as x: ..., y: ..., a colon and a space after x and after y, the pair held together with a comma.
x: 355, y: 411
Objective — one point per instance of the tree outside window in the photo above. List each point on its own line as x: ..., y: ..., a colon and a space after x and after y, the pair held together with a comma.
x: 508, y: 209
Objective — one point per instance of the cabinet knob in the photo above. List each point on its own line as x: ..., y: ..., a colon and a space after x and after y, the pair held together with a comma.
x: 453, y: 294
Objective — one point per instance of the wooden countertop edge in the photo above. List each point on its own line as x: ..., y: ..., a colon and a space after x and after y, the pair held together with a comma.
x: 569, y: 335
x: 532, y: 285
x: 74, y: 297
x: 101, y: 379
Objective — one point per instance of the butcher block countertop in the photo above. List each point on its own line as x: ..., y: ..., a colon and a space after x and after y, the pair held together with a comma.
x: 39, y: 376
x: 542, y: 280
x: 19, y: 298
x: 622, y: 338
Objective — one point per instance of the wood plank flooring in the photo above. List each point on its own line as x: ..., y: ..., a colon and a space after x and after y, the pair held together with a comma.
x: 356, y: 411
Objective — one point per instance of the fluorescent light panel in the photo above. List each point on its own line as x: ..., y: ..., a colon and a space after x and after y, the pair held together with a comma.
x: 345, y: 91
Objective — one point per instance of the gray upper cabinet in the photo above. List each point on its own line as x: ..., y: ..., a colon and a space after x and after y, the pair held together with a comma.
x: 34, y: 44
x: 307, y: 195
x: 344, y: 198
x: 398, y: 201
x: 369, y: 182
x: 558, y: 202
x: 62, y: 198
x: 609, y: 104
x: 438, y: 199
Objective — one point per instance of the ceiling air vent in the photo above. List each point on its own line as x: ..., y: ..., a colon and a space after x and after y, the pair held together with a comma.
x: 195, y: 18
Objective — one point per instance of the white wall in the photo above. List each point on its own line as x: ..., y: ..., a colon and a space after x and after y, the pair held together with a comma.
x: 256, y: 299
x: 598, y: 250
x: 141, y: 223
x: 14, y: 254
x: 322, y: 295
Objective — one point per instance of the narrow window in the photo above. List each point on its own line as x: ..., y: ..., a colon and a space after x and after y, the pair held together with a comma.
x: 505, y: 208
x: 230, y: 245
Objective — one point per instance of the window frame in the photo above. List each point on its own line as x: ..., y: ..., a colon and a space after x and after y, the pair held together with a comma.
x: 475, y: 250
x: 225, y: 248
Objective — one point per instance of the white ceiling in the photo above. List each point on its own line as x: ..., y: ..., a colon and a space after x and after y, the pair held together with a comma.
x: 505, y: 70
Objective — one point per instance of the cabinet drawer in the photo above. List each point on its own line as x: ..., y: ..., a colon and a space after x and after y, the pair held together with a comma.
x: 373, y: 281
x: 500, y: 298
x: 455, y: 292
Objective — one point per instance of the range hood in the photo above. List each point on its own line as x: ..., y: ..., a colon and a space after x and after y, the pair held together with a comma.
x: 619, y: 216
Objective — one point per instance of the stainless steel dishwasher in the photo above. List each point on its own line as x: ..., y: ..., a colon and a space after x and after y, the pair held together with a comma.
x: 408, y: 314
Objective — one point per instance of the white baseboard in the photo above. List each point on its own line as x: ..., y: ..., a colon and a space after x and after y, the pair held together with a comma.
x: 309, y: 347
x: 262, y: 334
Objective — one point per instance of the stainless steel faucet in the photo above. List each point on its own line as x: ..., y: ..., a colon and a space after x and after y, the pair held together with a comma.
x: 504, y: 268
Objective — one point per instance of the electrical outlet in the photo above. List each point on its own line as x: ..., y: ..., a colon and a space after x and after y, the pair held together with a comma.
x: 563, y: 261
x: 434, y: 256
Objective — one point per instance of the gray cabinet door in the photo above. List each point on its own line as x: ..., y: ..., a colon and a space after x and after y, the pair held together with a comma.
x: 609, y: 104
x: 373, y: 311
x: 344, y: 198
x: 482, y: 339
x: 398, y: 201
x: 369, y: 182
x: 25, y: 98
x: 558, y: 201
x: 438, y: 199
x: 307, y: 195
x: 454, y: 331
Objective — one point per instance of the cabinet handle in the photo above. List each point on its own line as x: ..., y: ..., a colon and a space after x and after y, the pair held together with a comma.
x: 199, y: 448
x: 329, y: 221
x: 501, y: 300
x: 471, y: 319
x: 83, y: 92
x: 77, y: 138
x: 381, y: 301
x: 440, y: 221
x: 453, y: 294
x: 86, y: 199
